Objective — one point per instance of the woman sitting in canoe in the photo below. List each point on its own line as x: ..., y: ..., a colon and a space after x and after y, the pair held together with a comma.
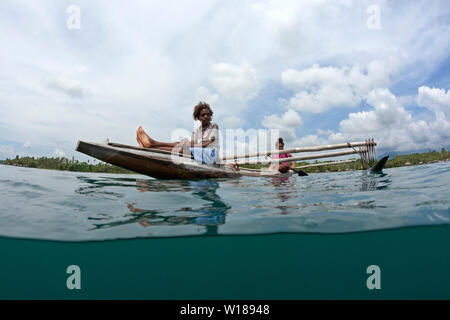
x: 283, y: 167
x: 204, y: 145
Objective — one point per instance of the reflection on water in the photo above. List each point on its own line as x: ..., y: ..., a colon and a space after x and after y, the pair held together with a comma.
x: 174, y: 203
x: 210, y: 215
x: 45, y: 204
x: 284, y: 190
x: 371, y: 181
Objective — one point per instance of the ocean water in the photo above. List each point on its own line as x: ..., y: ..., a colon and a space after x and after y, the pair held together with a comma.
x: 135, y: 237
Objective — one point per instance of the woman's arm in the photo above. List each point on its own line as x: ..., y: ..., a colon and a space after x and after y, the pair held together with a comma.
x: 204, y: 144
x: 292, y: 164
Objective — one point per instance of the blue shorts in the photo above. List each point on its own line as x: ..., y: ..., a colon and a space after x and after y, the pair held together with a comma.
x: 204, y: 155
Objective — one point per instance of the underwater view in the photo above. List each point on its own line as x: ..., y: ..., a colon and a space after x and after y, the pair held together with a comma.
x: 269, y: 237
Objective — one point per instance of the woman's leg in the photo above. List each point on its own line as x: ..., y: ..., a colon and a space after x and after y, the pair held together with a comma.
x: 283, y: 168
x: 145, y: 141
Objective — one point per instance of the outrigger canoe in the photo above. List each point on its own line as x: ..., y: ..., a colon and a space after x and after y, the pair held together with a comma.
x: 162, y: 164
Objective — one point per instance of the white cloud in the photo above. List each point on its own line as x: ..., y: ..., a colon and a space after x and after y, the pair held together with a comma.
x: 231, y: 122
x: 69, y: 87
x: 147, y: 71
x: 235, y: 85
x: 7, y: 151
x: 388, y: 114
x: 203, y: 94
x: 286, y: 124
x: 27, y: 145
x: 438, y: 101
x: 434, y: 99
x: 391, y: 125
x: 310, y: 140
x: 318, y: 89
x: 59, y: 153
x: 235, y: 82
x: 289, y: 119
x: 278, y: 15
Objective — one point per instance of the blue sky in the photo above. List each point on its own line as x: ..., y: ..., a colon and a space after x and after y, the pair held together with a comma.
x: 319, y: 71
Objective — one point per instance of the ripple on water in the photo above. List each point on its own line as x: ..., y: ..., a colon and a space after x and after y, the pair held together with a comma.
x: 47, y: 204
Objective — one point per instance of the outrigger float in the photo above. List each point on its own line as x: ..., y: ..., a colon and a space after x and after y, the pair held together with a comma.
x: 162, y: 164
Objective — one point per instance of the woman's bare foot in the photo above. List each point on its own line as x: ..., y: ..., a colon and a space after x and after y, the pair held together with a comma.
x: 143, y: 139
x: 139, y: 142
x: 138, y: 139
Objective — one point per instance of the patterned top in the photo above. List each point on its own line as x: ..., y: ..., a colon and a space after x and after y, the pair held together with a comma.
x: 207, y: 133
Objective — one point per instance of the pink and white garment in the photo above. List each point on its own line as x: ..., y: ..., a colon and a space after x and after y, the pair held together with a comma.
x: 274, y: 166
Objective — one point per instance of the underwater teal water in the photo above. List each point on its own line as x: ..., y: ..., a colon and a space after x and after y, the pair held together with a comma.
x: 139, y: 238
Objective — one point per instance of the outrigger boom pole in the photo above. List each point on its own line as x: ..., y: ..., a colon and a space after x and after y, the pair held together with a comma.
x: 368, y: 143
x: 309, y: 157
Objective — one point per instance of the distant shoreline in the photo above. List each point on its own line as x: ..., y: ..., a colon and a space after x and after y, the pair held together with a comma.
x: 397, y: 161
x: 64, y: 164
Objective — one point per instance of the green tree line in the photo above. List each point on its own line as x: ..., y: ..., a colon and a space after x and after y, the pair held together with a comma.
x: 64, y: 164
x: 397, y: 161
x: 75, y: 165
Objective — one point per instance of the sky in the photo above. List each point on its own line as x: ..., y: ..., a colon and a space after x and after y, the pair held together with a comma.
x: 321, y: 72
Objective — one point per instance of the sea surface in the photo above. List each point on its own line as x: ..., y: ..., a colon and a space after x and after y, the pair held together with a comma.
x: 250, y: 238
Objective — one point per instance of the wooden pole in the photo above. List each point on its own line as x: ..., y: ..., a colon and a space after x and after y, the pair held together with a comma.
x: 298, y: 150
x: 313, y: 156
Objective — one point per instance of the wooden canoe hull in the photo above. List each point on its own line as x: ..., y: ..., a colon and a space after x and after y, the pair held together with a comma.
x: 161, y: 165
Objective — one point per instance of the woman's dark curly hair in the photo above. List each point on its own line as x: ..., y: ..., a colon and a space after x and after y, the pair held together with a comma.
x: 280, y: 141
x: 198, y: 109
